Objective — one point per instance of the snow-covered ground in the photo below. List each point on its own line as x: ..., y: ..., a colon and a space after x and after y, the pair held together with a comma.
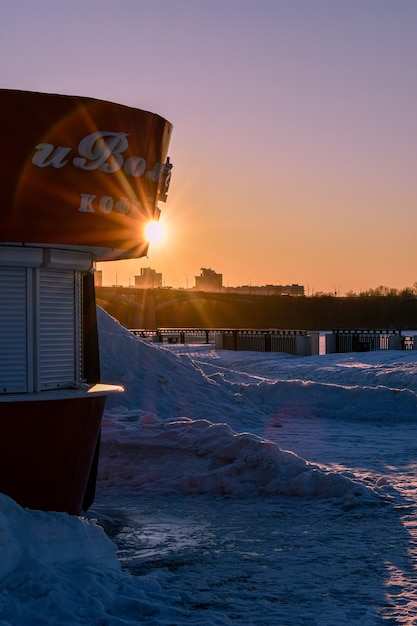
x: 234, y: 488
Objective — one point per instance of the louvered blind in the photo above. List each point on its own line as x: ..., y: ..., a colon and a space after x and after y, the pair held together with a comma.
x: 13, y: 330
x: 58, y: 339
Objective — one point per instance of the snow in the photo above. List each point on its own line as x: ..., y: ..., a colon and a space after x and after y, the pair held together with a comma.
x: 233, y: 488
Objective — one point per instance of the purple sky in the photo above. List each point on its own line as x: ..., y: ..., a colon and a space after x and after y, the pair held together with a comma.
x: 295, y: 136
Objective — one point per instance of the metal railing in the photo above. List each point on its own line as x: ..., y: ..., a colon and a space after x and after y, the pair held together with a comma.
x: 261, y: 340
x: 364, y: 340
x: 176, y: 335
x: 299, y: 342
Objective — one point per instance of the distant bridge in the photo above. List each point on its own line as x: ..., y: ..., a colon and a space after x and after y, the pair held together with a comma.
x: 139, y: 308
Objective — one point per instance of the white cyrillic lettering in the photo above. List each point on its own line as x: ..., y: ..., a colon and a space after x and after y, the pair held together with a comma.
x: 153, y: 175
x: 134, y: 166
x: 122, y: 206
x: 106, y: 204
x: 86, y: 203
x: 49, y: 155
x: 101, y: 150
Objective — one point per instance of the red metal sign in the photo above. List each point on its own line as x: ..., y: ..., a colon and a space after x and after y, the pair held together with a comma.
x: 80, y: 172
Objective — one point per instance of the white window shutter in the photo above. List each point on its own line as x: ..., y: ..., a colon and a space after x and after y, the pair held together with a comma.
x: 58, y: 329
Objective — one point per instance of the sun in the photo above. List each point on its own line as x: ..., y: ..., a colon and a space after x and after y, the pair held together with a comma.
x: 154, y: 232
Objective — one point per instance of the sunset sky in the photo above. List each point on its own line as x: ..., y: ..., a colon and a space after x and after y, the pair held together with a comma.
x: 295, y: 135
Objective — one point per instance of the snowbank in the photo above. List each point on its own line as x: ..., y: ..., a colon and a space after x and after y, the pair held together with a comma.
x: 154, y: 451
x: 197, y: 456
